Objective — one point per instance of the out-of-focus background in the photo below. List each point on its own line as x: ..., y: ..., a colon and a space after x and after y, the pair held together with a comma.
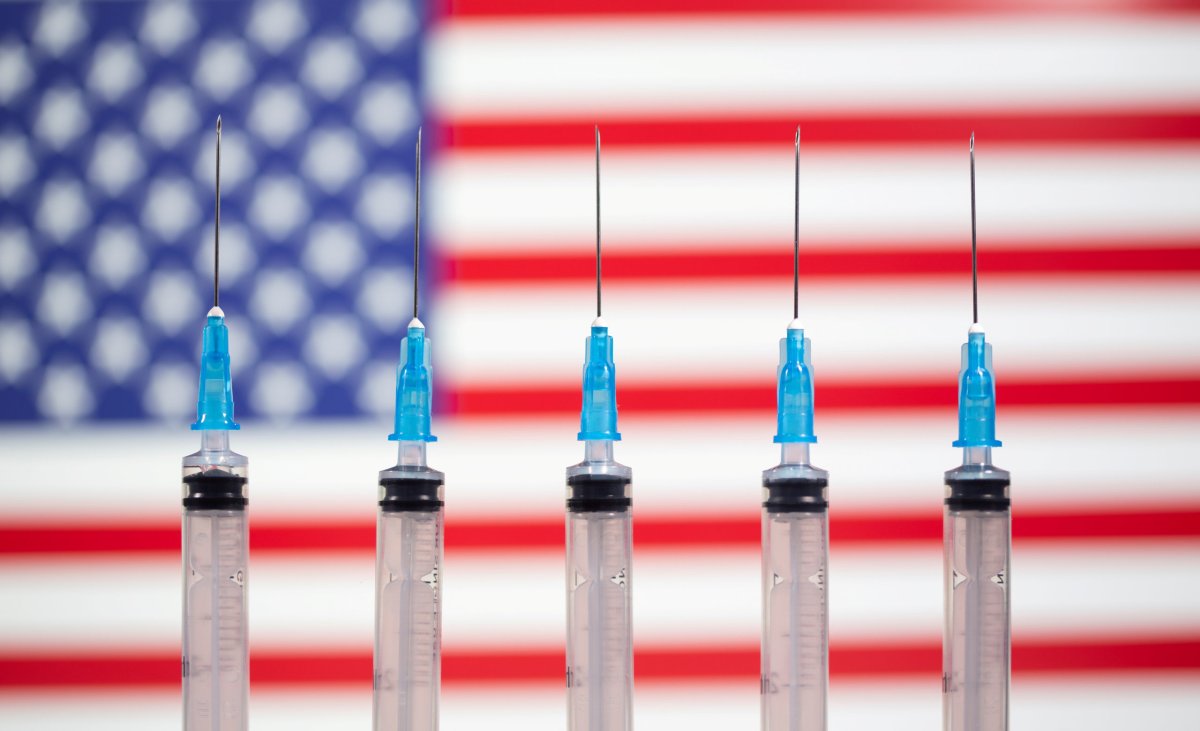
x: 1087, y: 116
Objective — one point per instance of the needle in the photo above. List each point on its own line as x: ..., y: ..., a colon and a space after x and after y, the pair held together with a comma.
x: 974, y: 246
x: 217, y: 225
x: 796, y: 238
x: 417, y: 227
x: 597, y: 221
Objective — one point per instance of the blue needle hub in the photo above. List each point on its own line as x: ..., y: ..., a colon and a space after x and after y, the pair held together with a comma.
x: 214, y: 404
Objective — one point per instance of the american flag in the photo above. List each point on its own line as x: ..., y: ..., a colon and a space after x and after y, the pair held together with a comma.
x: 1087, y: 116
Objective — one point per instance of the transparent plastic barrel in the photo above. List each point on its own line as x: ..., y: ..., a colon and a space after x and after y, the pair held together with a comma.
x: 215, y: 666
x: 795, y: 663
x: 599, y: 623
x: 976, y: 644
x: 408, y: 639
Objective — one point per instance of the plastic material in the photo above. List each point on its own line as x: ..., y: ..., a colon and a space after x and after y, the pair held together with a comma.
x: 215, y: 662
x: 214, y: 404
x: 794, y: 396
x: 414, y: 388
x: 408, y: 640
x: 976, y: 644
x: 599, y: 623
x: 976, y: 394
x: 795, y: 657
x: 598, y: 418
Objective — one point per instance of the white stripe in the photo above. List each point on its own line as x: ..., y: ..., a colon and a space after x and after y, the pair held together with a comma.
x: 513, y: 600
x: 521, y: 200
x: 1159, y: 702
x: 886, y: 331
x: 498, y: 469
x: 592, y: 66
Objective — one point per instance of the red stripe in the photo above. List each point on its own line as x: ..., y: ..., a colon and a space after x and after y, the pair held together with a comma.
x: 736, y: 663
x: 740, y: 260
x: 1086, y: 127
x: 856, y: 396
x: 549, y: 9
x: 863, y: 530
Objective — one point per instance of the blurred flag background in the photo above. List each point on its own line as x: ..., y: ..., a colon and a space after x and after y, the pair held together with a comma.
x: 1087, y: 116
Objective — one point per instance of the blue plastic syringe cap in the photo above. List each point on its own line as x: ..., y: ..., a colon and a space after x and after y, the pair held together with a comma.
x: 214, y: 403
x: 794, y: 395
x: 414, y: 388
x: 598, y: 418
x: 976, y: 394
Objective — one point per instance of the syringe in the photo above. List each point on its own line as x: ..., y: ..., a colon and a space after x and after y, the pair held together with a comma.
x: 215, y: 668
x: 599, y: 545
x: 978, y: 536
x: 795, y: 541
x: 408, y: 554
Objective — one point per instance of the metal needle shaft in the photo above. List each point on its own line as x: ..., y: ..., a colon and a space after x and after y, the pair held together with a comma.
x: 598, y: 221
x: 217, y: 225
x: 417, y: 227
x: 796, y: 237
x: 974, y: 244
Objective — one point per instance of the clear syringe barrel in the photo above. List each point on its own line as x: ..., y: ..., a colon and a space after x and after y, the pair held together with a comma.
x: 408, y: 609
x: 976, y: 645
x: 215, y: 661
x: 599, y: 575
x: 795, y: 628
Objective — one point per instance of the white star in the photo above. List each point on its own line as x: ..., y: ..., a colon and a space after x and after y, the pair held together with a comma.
x: 387, y: 110
x: 171, y: 390
x: 281, y: 390
x: 15, y: 71
x: 16, y: 164
x: 171, y: 301
x: 333, y: 251
x: 168, y: 25
x: 118, y: 255
x: 384, y: 23
x: 170, y: 115
x: 118, y: 348
x: 334, y: 345
x: 65, y: 394
x: 17, y: 260
x: 278, y: 113
x: 64, y: 303
x: 18, y: 352
x: 385, y: 297
x: 279, y: 206
x: 116, y: 68
x: 60, y: 27
x: 170, y: 208
x: 276, y: 23
x: 116, y: 163
x: 331, y: 66
x: 332, y: 159
x: 279, y: 300
x: 223, y: 67
x: 63, y: 210
x: 62, y: 117
x: 384, y: 204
